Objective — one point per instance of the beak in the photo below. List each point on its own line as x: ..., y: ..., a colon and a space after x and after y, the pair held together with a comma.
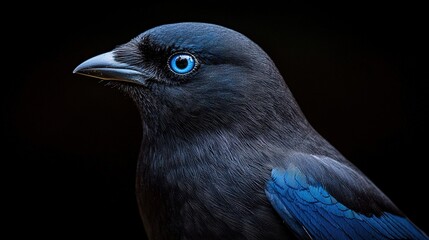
x: 104, y: 66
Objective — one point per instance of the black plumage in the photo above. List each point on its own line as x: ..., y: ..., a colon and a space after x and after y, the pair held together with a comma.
x: 226, y: 151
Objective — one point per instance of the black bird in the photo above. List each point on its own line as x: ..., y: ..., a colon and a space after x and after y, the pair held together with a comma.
x: 226, y: 151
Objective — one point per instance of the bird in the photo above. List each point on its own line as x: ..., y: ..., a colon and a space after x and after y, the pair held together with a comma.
x: 226, y: 151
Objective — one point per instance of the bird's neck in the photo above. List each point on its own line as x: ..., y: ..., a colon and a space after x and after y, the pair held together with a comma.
x: 216, y: 147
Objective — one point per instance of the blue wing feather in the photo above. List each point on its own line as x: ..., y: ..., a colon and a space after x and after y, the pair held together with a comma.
x: 314, y: 213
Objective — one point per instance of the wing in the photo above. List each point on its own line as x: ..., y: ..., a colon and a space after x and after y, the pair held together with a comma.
x: 320, y: 198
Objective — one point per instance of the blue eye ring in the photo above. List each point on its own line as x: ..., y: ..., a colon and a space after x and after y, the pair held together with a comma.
x: 182, y: 63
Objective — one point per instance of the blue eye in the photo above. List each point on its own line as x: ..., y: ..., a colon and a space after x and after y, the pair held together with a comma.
x: 182, y: 63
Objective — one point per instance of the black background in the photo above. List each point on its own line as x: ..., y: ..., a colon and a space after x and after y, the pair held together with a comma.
x: 72, y: 143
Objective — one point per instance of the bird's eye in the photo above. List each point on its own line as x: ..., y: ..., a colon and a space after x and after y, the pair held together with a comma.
x: 182, y: 63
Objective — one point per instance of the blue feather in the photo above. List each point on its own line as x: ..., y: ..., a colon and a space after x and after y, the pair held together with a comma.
x: 311, y: 211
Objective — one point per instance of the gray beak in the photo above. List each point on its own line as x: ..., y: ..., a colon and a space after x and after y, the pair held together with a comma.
x: 105, y: 67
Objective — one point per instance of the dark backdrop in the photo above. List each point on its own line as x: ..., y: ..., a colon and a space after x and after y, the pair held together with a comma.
x: 72, y: 143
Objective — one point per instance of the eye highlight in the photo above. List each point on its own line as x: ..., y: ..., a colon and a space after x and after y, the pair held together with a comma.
x: 182, y: 63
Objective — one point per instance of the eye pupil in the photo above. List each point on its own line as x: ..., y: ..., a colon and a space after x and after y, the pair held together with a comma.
x: 182, y: 63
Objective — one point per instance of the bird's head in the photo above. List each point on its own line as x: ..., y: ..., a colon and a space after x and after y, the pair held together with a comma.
x: 195, y: 75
